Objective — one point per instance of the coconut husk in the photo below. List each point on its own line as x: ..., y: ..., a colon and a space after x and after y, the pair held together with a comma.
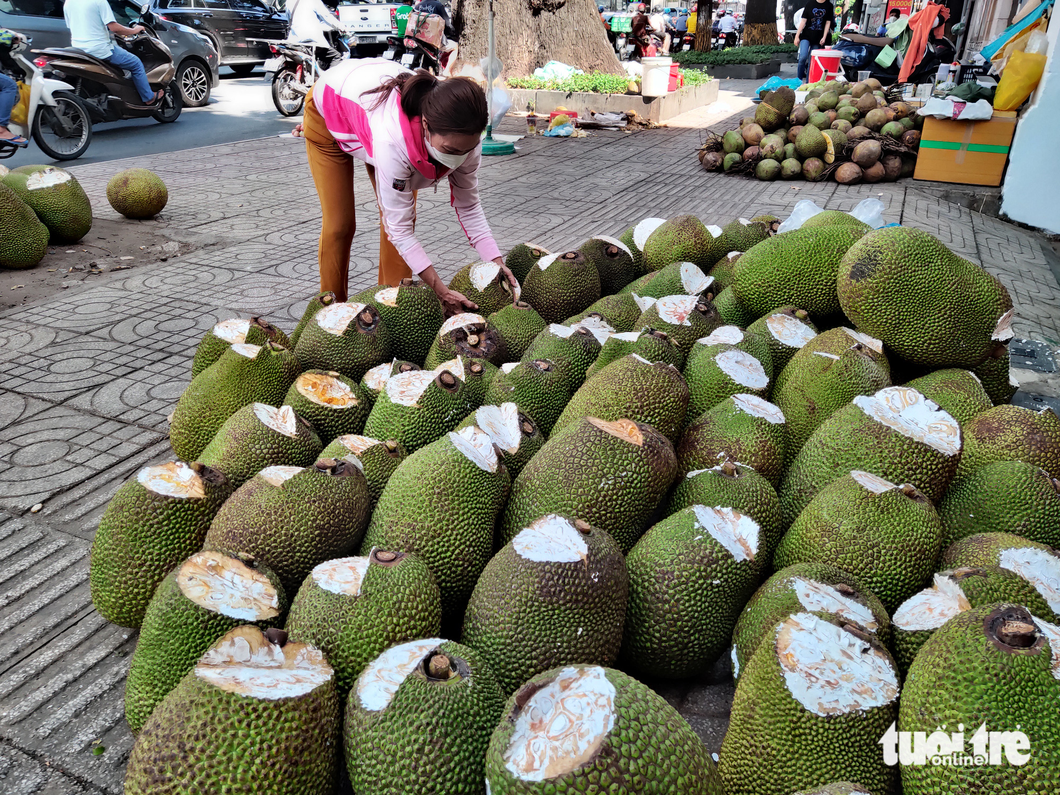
x: 712, y: 143
x: 888, y: 146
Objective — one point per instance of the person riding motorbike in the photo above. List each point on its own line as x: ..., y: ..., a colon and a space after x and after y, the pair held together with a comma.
x: 641, y: 33
x: 308, y: 20
x: 727, y: 29
x: 91, y: 23
x: 8, y: 90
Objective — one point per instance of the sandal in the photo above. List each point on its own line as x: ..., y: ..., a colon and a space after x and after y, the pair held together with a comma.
x: 16, y: 140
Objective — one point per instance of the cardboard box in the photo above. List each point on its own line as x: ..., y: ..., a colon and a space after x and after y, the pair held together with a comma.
x: 965, y: 152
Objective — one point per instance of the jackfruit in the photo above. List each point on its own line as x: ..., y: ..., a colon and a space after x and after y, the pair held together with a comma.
x: 996, y: 376
x: 1005, y: 496
x: 817, y: 588
x: 683, y: 318
x: 420, y: 719
x: 332, y: 404
x: 152, y: 523
x: 58, y: 200
x: 442, y: 504
x: 484, y: 284
x: 621, y: 311
x: 716, y: 371
x: 795, y: 268
x: 635, y: 237
x: 594, y: 324
x: 837, y: 788
x: 347, y: 337
x: 649, y: 344
x: 243, y: 375
x: 689, y: 577
x: 635, y: 286
x: 477, y: 375
x: 375, y: 379
x: 316, y: 303
x: 775, y: 107
x: 537, y: 387
x: 193, y: 607
x: 811, y: 706
x: 137, y: 193
x: 742, y: 233
x: 838, y: 339
x: 583, y: 728
x: 835, y: 218
x: 723, y: 270
x: 513, y: 432
x: 466, y: 334
x: 253, y: 703
x: 561, y: 285
x: 613, y: 261
x: 731, y: 310
x: 886, y: 535
x: 517, y: 323
x: 652, y: 393
x: 571, y: 351
x: 378, y: 459
x: 523, y: 257
x: 23, y: 238
x: 292, y: 518
x: 958, y: 392
x: 744, y: 427
x: 785, y: 331
x: 354, y: 609
x: 810, y: 142
x: 1037, y: 563
x: 748, y: 341
x: 1012, y: 433
x: 554, y: 595
x: 256, y: 331
x: 258, y: 436
x: 959, y: 311
x: 992, y: 668
x: 418, y: 407
x: 896, y: 434
x: 677, y: 278
x: 412, y: 314
x: 610, y: 475
x: 683, y: 239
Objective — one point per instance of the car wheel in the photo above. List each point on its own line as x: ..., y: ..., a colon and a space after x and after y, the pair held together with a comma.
x: 194, y: 82
x: 242, y: 69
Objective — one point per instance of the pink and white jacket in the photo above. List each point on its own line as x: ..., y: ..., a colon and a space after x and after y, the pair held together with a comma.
x: 384, y: 137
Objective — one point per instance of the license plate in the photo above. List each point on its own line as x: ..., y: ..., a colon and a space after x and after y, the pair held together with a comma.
x: 366, y: 39
x: 273, y: 64
x: 408, y: 58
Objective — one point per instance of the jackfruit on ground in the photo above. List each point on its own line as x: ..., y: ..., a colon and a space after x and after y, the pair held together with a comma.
x: 995, y: 374
x: 634, y: 239
x: 377, y: 458
x: 613, y: 261
x: 751, y: 342
x: 418, y: 407
x: 58, y: 200
x: 514, y: 433
x: 442, y: 504
x: 731, y: 310
x: 795, y: 268
x: 817, y: 588
x: 1012, y: 433
x: 420, y: 719
x: 684, y: 239
x: 582, y: 728
x: 785, y: 331
x: 957, y: 392
x: 259, y: 436
x: 412, y: 315
x: 536, y: 386
x: 354, y: 609
x: 316, y: 303
x: 744, y: 427
x: 137, y: 193
x: 723, y: 271
x: 927, y: 304
x: 742, y: 233
x: 333, y: 404
x: 572, y: 350
x: 652, y: 393
x: 838, y: 339
x: 253, y: 703
x: 223, y: 335
x: 810, y: 707
x: 635, y: 286
x: 610, y: 475
x: 375, y: 379
x: 554, y: 595
x: 561, y: 285
x: 689, y: 577
x: 888, y: 536
x: 292, y: 518
x: 683, y: 318
x: 23, y: 238
x: 1037, y: 563
x: 996, y: 666
x: 896, y: 434
x: 243, y: 375
x: 466, y: 334
x: 517, y: 323
x: 621, y: 311
x: 716, y: 371
x: 152, y: 523
x: 347, y: 337
x: 649, y: 344
x: 484, y: 284
x: 192, y: 608
x: 677, y: 278
x: 835, y: 218
x: 522, y: 257
x: 837, y: 788
x: 1005, y: 496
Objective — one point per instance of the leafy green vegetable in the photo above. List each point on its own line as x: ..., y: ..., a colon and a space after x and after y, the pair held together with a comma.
x: 595, y: 82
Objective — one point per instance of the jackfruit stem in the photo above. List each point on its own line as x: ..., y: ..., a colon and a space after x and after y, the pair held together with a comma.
x: 385, y: 555
x: 909, y: 490
x: 543, y: 364
x: 391, y: 445
x: 327, y: 298
x: 1017, y: 633
x: 1056, y: 484
x: 570, y: 255
x: 845, y: 589
x: 472, y: 339
x: 325, y: 464
x: 447, y: 379
x: 801, y: 314
x: 276, y: 636
x: 522, y: 305
x: 729, y: 468
x: 528, y: 429
x: 406, y: 367
x: 583, y: 527
x: 408, y: 281
x: 438, y: 666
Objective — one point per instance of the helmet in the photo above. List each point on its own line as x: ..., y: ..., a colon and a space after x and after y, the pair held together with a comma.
x: 640, y: 6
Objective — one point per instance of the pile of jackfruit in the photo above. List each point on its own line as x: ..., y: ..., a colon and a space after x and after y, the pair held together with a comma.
x: 400, y: 553
x: 39, y: 205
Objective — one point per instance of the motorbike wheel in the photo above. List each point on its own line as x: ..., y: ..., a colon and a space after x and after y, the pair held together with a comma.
x: 63, y: 132
x: 287, y: 101
x: 171, y: 105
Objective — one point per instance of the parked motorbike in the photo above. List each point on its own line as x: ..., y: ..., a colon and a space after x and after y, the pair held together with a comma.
x: 294, y: 67
x: 424, y: 45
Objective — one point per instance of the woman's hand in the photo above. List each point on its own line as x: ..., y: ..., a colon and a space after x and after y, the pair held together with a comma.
x: 454, y: 303
x: 508, y: 274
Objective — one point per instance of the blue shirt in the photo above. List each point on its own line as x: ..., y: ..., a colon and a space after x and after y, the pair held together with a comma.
x: 88, y: 20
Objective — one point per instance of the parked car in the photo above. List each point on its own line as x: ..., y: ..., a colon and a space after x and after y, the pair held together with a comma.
x: 195, y: 56
x: 229, y: 24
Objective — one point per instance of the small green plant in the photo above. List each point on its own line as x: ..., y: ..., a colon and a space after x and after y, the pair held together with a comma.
x: 695, y: 77
x: 758, y: 53
x: 595, y: 82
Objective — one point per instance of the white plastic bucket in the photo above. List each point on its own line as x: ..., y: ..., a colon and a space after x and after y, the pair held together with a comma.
x: 655, y: 81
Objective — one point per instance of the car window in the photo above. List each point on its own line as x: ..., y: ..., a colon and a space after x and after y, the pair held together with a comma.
x: 184, y: 4
x: 221, y: 5
x: 32, y: 8
x: 124, y: 11
x: 248, y: 5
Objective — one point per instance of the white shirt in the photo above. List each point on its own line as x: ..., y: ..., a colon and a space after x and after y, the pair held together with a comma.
x: 88, y: 20
x: 658, y: 24
x: 308, y: 18
x: 727, y: 24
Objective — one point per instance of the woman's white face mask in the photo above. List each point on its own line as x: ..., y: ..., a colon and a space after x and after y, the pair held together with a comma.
x: 447, y: 160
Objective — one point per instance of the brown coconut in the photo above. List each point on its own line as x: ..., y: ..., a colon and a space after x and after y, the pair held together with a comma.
x: 867, y: 153
x: 848, y: 174
x: 892, y: 167
x: 752, y: 134
x: 873, y: 173
x: 858, y: 132
x: 865, y: 103
x: 751, y: 153
x: 712, y: 161
x: 911, y: 138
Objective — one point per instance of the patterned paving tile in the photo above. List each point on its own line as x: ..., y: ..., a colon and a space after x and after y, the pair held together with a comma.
x: 219, y: 287
x: 144, y: 397
x: 83, y: 312
x: 18, y: 338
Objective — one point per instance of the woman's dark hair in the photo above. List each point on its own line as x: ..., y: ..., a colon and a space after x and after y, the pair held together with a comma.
x: 453, y: 105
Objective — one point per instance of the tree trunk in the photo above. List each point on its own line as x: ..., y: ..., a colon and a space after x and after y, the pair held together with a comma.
x: 530, y: 33
x: 790, y: 7
x: 704, y: 23
x: 760, y: 22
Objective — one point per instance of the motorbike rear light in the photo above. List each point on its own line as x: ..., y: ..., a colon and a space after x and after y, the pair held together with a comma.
x: 273, y: 50
x: 40, y: 63
x: 393, y: 20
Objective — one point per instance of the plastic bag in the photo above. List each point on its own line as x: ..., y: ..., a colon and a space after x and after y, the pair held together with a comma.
x: 775, y: 82
x: 561, y: 131
x: 554, y: 70
x: 802, y: 212
x: 502, y: 103
x: 961, y: 111
x: 1019, y: 80
x: 20, y: 113
x: 869, y: 211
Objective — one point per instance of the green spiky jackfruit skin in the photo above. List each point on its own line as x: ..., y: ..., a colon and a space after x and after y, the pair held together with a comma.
x: 1012, y: 433
x: 227, y: 385
x: 537, y: 387
x: 653, y: 393
x: 444, y: 508
x: 951, y: 324
x: 984, y: 549
x: 211, y: 346
x: 530, y: 441
x: 244, y: 446
x: 137, y: 193
x: 709, y: 384
x: 23, y: 238
x: 650, y: 750
x: 742, y: 233
x: 364, y: 343
x: 487, y: 344
x: 316, y: 303
x: 317, y: 514
x: 732, y: 312
x: 432, y: 736
x: 570, y: 284
x: 700, y: 322
x: 1005, y: 496
x: 527, y: 617
x: 398, y: 600
x: 650, y: 344
x: 760, y: 752
x: 523, y: 257
x: 518, y: 324
x: 723, y: 271
x: 590, y: 474
x: 639, y: 268
x: 777, y: 599
x: 726, y: 429
x: 683, y: 239
x: 478, y: 375
x: 995, y: 375
x: 686, y: 591
x: 839, y: 339
x: 614, y: 264
x: 328, y: 421
x: 838, y: 788
x: 496, y: 295
x: 440, y: 408
x: 834, y: 218
x: 637, y: 285
x: 798, y: 267
x: 412, y: 319
x: 981, y: 586
x: 619, y: 310
x: 571, y: 355
x: 664, y: 282
x: 958, y: 392
x: 1013, y: 687
x: 142, y: 535
x: 64, y: 207
x: 812, y: 387
x: 378, y: 461
x: 175, y: 633
x: 231, y: 743
x: 780, y: 354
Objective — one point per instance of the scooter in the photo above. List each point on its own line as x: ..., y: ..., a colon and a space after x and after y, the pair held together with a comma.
x: 294, y: 68
x: 424, y: 45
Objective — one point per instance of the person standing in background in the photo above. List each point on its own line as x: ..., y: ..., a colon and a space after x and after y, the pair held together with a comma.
x: 815, y: 31
x: 891, y: 17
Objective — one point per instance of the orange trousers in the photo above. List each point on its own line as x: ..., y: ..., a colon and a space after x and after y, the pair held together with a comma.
x: 332, y: 171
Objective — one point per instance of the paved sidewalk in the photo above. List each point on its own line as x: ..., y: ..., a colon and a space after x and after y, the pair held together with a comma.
x: 88, y: 378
